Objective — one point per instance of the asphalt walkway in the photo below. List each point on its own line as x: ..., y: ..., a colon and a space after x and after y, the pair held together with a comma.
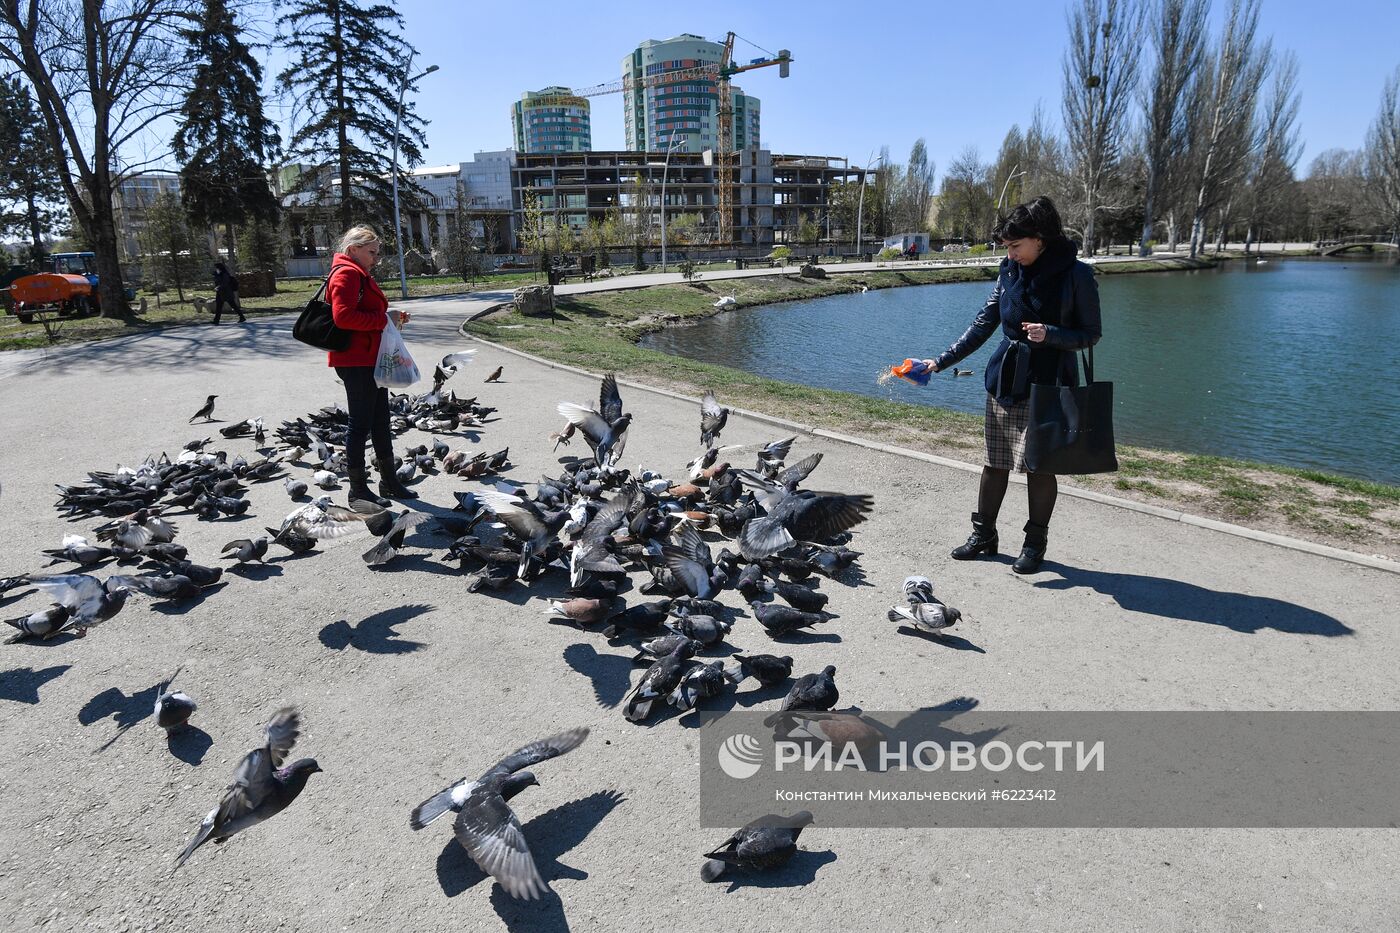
x: 407, y: 682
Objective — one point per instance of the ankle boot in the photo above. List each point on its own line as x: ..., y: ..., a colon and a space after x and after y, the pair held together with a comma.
x: 1033, y: 551
x: 359, y: 489
x: 983, y: 540
x: 389, y: 484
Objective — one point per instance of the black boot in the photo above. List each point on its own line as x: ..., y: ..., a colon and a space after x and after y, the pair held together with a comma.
x: 983, y: 540
x: 389, y: 484
x: 359, y: 489
x: 1033, y: 551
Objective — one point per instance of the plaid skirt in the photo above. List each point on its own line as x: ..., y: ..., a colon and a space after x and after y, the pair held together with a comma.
x: 1005, y: 432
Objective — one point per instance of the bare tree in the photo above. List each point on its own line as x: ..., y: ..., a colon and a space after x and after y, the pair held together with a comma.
x: 102, y: 71
x: 1228, y: 90
x: 966, y: 205
x: 915, y: 189
x: 1279, y: 146
x: 1100, y: 78
x: 1335, y: 189
x: 1383, y: 157
x: 1178, y: 36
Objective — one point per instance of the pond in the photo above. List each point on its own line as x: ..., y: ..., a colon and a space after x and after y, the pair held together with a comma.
x: 1294, y: 362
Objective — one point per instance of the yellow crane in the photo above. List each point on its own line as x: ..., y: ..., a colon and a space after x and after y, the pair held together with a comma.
x: 721, y: 73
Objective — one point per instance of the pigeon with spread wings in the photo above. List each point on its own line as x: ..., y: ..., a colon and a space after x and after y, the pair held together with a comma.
x: 604, y: 428
x: 486, y: 826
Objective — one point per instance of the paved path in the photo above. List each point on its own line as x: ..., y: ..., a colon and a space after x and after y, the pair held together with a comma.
x: 407, y: 682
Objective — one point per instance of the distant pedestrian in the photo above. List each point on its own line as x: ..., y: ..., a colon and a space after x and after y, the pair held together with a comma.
x: 913, y: 251
x: 359, y: 306
x: 1039, y: 338
x: 226, y: 293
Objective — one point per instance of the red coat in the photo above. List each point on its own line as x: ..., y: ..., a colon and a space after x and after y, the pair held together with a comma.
x: 359, y: 306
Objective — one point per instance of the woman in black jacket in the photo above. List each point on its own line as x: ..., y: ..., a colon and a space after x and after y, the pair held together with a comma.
x: 1046, y: 304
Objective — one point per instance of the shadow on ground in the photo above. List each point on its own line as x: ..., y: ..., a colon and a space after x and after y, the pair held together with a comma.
x: 1176, y: 599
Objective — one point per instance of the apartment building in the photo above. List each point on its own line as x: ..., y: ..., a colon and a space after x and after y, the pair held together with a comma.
x: 552, y: 119
x: 656, y: 111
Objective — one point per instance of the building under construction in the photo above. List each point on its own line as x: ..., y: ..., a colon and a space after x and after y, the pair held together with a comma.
x: 772, y: 192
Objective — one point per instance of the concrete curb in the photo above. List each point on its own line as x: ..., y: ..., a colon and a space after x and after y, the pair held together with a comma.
x: 1239, y: 531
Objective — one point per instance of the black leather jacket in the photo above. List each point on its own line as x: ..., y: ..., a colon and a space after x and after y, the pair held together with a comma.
x: 1016, y: 363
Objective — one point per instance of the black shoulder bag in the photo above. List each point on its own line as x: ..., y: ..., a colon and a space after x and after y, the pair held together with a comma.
x: 316, y: 325
x: 1070, y: 428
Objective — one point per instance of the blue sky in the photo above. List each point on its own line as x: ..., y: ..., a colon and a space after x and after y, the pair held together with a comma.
x: 863, y: 74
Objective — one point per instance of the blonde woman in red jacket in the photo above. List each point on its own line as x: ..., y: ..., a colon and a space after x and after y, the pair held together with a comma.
x: 359, y: 306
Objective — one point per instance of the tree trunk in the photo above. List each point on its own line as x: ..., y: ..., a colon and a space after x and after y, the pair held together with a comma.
x: 103, y: 233
x: 342, y: 138
x: 36, y: 232
x: 1173, y: 238
x: 1248, y: 238
x: 1143, y: 248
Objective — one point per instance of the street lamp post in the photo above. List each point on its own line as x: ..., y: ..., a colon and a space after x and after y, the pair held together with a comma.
x: 860, y: 207
x: 394, y: 172
x: 665, y: 168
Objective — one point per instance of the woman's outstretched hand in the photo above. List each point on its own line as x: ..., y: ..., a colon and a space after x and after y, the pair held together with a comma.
x: 931, y: 364
x: 1035, y: 333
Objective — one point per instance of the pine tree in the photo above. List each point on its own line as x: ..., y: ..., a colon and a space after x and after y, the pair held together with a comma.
x: 224, y: 141
x: 347, y: 62
x: 30, y: 193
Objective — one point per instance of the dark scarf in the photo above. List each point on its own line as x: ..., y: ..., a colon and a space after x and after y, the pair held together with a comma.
x: 1034, y: 293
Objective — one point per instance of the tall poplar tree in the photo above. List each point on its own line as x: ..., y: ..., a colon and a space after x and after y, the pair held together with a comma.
x: 30, y: 194
x: 224, y: 141
x: 348, y: 60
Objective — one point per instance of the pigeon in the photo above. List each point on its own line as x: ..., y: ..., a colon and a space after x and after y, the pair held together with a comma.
x: 751, y: 581
x: 204, y: 576
x: 261, y: 787
x: 689, y: 559
x: 644, y: 617
x: 563, y: 437
x: 924, y: 612
x: 766, y: 844
x: 658, y: 682
x: 237, y: 429
x: 88, y: 600
x: 780, y: 620
x: 486, y: 826
x: 454, y: 361
x: 812, y: 691
x: 296, y: 488
x: 774, y: 452
x: 712, y: 419
x: 660, y: 647
x: 535, y: 531
x: 388, y: 547
x: 158, y: 586
x: 206, y: 412
x: 173, y: 710
x: 769, y: 670
x: 292, y: 539
x: 701, y: 682
x: 583, y: 611
x: 243, y: 550
x: 801, y: 516
x: 605, y: 429
x: 45, y: 623
x: 495, y: 376
x: 706, y: 630
x: 798, y: 597
x: 77, y: 550
x: 326, y: 479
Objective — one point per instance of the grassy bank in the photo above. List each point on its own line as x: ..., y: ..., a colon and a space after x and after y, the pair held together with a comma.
x: 167, y: 310
x: 600, y: 331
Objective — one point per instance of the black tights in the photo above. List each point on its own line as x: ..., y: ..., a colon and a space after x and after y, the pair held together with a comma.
x: 1041, y: 489
x: 369, y: 417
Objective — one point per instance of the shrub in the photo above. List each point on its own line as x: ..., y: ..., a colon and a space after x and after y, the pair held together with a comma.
x: 888, y: 253
x: 781, y: 253
x: 978, y: 249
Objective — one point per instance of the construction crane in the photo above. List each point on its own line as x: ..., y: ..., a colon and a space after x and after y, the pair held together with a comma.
x: 721, y: 73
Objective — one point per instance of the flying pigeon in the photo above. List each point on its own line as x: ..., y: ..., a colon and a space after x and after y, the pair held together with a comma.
x: 486, y: 826
x: 244, y: 550
x: 261, y: 787
x: 388, y: 546
x: 712, y: 419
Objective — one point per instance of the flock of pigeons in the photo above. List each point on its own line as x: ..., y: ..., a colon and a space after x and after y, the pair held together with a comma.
x: 596, y: 523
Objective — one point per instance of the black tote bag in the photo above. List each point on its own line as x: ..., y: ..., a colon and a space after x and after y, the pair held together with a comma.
x: 1069, y: 430
x: 316, y: 326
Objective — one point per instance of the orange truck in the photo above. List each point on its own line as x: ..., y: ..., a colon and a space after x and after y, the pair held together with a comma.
x: 68, y: 286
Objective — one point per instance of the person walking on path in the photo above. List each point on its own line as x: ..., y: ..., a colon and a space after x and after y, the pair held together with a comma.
x: 359, y: 306
x: 226, y: 293
x: 1046, y: 304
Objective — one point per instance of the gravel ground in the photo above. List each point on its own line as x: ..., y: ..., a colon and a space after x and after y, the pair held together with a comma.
x: 422, y: 682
